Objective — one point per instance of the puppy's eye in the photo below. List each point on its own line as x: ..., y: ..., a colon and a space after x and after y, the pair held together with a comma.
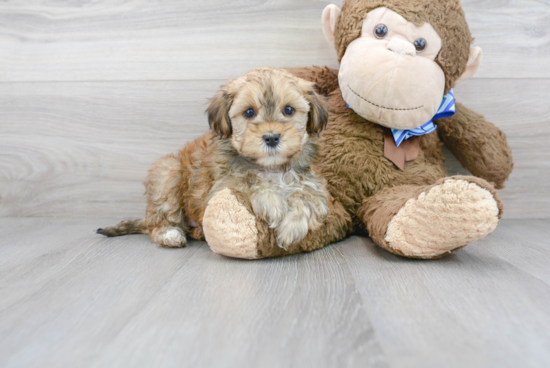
x: 381, y: 31
x: 420, y: 44
x: 289, y: 111
x: 249, y: 114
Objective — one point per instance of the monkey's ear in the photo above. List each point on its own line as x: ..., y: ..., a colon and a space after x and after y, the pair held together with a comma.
x: 474, y: 61
x: 329, y: 18
x: 318, y: 113
x: 218, y: 113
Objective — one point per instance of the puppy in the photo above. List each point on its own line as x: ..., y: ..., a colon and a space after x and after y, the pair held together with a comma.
x: 262, y: 144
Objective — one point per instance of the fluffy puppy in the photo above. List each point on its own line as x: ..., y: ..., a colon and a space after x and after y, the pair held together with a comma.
x: 265, y: 129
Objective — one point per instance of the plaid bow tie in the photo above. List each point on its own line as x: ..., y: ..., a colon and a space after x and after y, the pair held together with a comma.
x: 446, y: 109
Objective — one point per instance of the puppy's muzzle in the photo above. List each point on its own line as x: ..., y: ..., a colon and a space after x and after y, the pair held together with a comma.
x: 272, y: 140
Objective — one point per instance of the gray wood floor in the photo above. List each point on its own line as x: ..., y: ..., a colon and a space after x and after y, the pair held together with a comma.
x: 70, y: 298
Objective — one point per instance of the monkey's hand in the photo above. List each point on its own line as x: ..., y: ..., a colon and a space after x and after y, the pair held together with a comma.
x: 325, y: 78
x: 479, y: 145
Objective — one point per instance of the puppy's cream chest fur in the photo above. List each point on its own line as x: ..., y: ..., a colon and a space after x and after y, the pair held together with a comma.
x: 285, y: 183
x: 290, y: 202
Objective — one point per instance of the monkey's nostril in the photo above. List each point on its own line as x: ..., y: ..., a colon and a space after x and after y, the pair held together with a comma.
x: 272, y: 140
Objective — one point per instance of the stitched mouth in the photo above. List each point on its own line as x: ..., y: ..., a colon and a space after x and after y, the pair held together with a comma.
x: 384, y: 107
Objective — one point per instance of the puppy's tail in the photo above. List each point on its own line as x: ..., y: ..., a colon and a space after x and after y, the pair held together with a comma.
x: 124, y: 228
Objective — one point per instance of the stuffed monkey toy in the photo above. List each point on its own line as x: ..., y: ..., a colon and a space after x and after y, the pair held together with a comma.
x: 391, y: 110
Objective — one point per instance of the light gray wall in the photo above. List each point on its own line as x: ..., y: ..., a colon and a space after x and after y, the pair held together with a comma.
x: 93, y: 92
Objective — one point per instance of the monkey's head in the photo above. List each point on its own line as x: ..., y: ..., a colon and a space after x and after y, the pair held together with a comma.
x: 399, y: 58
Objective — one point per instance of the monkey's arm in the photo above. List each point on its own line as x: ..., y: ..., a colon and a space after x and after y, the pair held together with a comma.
x: 478, y: 145
x: 325, y: 78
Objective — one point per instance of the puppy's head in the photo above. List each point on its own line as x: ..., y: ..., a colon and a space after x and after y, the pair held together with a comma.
x: 268, y: 114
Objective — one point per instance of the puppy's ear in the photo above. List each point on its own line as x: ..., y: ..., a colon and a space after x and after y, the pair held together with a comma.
x: 218, y: 113
x: 318, y: 112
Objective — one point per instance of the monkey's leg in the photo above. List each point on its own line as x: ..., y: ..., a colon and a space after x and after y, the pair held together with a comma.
x: 164, y: 218
x: 231, y: 229
x: 432, y: 221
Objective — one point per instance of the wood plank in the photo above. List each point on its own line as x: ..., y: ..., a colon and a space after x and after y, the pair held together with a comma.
x: 94, y: 139
x: 82, y: 300
x: 125, y: 302
x: 83, y: 149
x: 138, y: 40
x: 215, y: 39
x: 523, y: 244
x: 514, y: 36
x: 23, y: 240
x: 480, y: 307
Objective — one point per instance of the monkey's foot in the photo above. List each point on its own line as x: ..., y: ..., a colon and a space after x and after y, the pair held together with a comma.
x: 229, y: 228
x: 434, y: 220
x: 444, y: 218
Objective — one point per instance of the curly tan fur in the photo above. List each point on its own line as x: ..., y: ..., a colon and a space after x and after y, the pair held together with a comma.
x: 278, y: 183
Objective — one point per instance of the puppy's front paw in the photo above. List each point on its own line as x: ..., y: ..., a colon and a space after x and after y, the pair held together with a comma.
x: 171, y: 237
x: 312, y: 207
x: 269, y: 207
x: 291, y: 230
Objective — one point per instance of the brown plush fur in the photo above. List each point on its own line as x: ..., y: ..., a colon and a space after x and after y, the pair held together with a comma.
x: 325, y: 78
x: 371, y: 188
x: 268, y: 179
x: 480, y: 147
x: 446, y: 16
x: 353, y: 163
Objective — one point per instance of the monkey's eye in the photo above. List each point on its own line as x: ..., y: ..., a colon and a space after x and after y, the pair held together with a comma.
x: 249, y: 114
x: 420, y: 44
x: 289, y: 111
x: 381, y: 31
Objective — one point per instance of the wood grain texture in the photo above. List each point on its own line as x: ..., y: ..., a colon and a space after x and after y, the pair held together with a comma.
x: 485, y: 306
x: 153, y: 40
x: 214, y: 39
x: 84, y: 300
x: 71, y: 298
x: 520, y: 109
x: 84, y: 149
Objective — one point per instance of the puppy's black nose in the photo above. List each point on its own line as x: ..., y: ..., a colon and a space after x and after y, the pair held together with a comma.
x: 272, y: 140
